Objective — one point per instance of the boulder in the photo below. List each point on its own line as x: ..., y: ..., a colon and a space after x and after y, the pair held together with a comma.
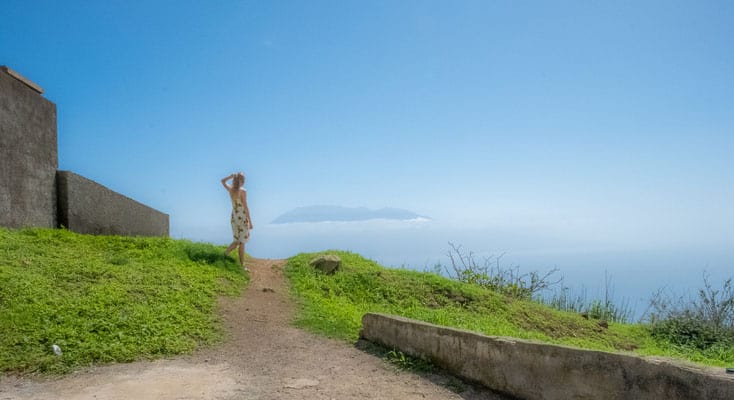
x: 327, y: 263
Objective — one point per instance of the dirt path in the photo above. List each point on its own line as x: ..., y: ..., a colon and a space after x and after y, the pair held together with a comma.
x: 264, y: 357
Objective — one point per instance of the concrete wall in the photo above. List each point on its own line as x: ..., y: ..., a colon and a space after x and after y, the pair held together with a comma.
x: 29, y: 188
x: 533, y: 371
x: 87, y: 207
x: 28, y: 154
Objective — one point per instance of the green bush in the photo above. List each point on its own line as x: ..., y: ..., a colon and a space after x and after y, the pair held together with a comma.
x: 703, y: 323
x: 687, y: 330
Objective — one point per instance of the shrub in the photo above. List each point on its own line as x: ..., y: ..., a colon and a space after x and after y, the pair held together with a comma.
x: 704, y: 322
x: 491, y: 274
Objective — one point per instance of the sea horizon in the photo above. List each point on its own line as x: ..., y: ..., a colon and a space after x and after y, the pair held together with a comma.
x: 629, y: 275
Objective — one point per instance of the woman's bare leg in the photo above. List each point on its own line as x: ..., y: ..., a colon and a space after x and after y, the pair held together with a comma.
x: 242, y: 254
x: 231, y: 247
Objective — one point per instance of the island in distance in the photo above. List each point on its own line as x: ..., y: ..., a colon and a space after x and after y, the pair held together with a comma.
x: 339, y: 214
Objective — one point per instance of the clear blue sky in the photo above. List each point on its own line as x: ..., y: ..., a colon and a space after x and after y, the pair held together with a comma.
x: 610, y: 122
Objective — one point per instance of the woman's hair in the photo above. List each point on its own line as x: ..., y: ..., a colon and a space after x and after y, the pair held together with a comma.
x: 238, y: 180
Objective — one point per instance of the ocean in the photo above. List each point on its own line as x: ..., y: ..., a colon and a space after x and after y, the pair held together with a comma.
x: 630, y: 276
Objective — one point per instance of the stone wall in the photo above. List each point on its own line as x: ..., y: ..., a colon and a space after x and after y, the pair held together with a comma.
x: 28, y: 154
x: 534, y: 371
x: 29, y: 186
x: 88, y: 207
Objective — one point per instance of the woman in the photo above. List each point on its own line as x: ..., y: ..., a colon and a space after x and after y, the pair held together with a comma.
x: 241, y: 222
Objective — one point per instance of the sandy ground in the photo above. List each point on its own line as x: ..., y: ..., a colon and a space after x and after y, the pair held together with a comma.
x: 264, y: 357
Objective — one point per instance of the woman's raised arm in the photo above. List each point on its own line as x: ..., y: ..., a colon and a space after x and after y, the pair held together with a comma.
x: 224, y: 181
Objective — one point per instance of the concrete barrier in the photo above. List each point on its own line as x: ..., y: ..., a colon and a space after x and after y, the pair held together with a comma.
x: 87, y: 207
x: 28, y: 154
x: 535, y: 371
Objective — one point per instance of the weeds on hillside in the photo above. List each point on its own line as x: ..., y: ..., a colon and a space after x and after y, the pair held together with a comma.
x: 333, y: 305
x: 491, y: 274
x: 705, y: 322
x: 604, y: 309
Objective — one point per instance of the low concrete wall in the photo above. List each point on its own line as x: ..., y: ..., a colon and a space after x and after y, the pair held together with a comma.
x: 85, y: 206
x: 28, y: 154
x: 533, y: 371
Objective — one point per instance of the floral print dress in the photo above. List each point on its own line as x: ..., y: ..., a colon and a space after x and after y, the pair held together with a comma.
x: 240, y: 228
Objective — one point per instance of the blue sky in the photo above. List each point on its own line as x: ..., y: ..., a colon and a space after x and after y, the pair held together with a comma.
x: 563, y: 125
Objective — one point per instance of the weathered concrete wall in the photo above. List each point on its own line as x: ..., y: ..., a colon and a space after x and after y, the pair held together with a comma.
x: 537, y: 371
x: 29, y: 190
x: 28, y: 154
x: 88, y: 207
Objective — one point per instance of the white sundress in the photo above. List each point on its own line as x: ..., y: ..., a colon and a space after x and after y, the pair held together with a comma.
x: 240, y: 227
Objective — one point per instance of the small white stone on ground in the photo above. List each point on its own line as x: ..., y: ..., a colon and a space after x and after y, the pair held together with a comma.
x: 301, y: 383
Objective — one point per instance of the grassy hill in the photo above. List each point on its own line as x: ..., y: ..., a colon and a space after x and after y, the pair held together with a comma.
x: 106, y: 298
x: 333, y: 305
x: 117, y: 299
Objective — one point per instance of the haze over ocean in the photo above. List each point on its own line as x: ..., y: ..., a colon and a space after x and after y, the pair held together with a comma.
x: 590, y: 136
x: 635, y: 273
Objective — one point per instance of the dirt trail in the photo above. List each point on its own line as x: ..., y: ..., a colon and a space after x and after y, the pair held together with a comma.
x: 264, y: 357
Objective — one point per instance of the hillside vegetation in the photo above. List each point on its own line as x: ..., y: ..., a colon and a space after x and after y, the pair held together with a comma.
x: 333, y: 305
x: 106, y: 298
x: 117, y: 299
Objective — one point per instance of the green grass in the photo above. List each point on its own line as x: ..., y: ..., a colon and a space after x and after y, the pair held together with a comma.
x: 106, y: 298
x: 333, y: 305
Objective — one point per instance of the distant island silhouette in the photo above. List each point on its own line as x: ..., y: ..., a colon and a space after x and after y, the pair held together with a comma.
x: 338, y: 214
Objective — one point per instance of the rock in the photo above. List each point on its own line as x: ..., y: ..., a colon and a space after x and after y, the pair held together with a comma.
x: 328, y: 263
x: 301, y: 383
x: 603, y: 324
